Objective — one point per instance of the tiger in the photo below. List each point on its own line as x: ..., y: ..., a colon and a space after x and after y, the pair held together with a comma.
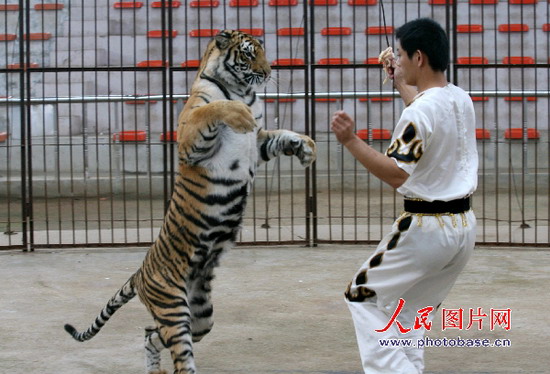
x: 220, y: 145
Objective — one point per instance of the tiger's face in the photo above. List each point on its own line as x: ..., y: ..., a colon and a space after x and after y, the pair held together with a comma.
x: 239, y: 58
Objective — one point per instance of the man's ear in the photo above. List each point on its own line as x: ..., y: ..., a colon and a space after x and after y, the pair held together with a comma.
x: 420, y: 58
x: 223, y: 39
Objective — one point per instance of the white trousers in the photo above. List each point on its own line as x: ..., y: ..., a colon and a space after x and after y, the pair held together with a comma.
x: 419, y: 261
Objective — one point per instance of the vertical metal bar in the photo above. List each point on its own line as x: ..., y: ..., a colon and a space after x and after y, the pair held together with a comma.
x: 85, y: 140
x: 312, y: 219
x: 96, y: 133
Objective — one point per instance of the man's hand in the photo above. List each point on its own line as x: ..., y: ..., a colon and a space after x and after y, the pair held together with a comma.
x: 342, y: 126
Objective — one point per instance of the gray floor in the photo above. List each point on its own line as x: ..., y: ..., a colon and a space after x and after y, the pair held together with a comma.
x: 277, y: 310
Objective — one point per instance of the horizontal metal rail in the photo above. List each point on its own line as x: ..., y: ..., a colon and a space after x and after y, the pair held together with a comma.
x: 295, y: 95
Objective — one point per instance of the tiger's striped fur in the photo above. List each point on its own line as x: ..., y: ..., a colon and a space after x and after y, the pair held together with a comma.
x: 220, y: 145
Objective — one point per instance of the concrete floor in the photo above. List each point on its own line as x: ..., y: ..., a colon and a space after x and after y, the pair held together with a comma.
x: 277, y: 310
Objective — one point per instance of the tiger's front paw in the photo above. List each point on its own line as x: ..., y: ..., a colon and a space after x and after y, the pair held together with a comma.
x: 304, y: 148
x: 238, y: 116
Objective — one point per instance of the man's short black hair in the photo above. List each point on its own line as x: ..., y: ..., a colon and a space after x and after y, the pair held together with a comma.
x: 428, y: 36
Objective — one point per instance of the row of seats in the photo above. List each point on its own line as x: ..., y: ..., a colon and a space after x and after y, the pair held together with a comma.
x: 516, y: 133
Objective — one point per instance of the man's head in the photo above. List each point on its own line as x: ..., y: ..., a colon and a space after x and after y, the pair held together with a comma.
x: 427, y: 36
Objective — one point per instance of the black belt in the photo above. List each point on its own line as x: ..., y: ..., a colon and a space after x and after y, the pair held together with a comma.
x: 437, y: 206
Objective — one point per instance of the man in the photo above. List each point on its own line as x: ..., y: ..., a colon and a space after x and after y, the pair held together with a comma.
x: 432, y: 161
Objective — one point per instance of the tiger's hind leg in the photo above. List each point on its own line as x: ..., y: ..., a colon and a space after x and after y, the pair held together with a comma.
x: 153, y: 347
x: 177, y: 338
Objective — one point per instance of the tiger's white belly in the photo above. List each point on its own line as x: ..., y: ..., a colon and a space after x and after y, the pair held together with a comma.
x: 237, y: 156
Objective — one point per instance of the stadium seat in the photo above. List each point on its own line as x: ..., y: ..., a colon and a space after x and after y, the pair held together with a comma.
x: 7, y: 37
x: 330, y: 31
x: 167, y: 4
x: 162, y: 33
x: 243, y: 3
x: 518, y: 133
x: 483, y: 134
x: 334, y: 61
x: 9, y: 7
x: 513, y: 27
x: 283, y: 2
x: 377, y: 134
x: 379, y: 30
x: 362, y: 2
x: 204, y: 4
x: 170, y: 136
x: 469, y: 28
x: 54, y: 6
x: 128, y: 4
x: 290, y: 31
x: 130, y: 136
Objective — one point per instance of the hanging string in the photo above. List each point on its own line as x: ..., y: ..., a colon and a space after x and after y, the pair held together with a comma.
x: 384, y: 20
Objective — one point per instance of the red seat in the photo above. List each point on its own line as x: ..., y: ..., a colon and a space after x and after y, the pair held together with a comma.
x: 170, y: 136
x: 469, y: 28
x: 472, y: 60
x: 513, y: 27
x: 130, y: 136
x: 37, y: 36
x: 288, y: 62
x: 7, y: 7
x: 152, y: 64
x: 167, y: 4
x: 243, y: 3
x: 372, y: 61
x: 7, y: 37
x: 283, y: 2
x: 379, y: 30
x: 191, y: 64
x: 128, y: 4
x: 324, y: 2
x: 328, y: 31
x: 522, y: 2
x: 334, y: 61
x: 204, y: 4
x: 3, y: 137
x: 377, y: 134
x: 518, y: 60
x: 25, y: 66
x: 54, y: 6
x: 201, y: 33
x: 440, y: 2
x: 518, y: 132
x: 162, y: 33
x: 290, y: 31
x: 483, y: 134
x: 362, y: 2
x: 480, y: 98
x: 520, y: 98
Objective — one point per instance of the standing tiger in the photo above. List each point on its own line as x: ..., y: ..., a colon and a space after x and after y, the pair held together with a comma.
x: 219, y: 147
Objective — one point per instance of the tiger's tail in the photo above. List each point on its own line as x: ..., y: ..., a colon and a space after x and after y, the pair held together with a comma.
x: 123, y: 295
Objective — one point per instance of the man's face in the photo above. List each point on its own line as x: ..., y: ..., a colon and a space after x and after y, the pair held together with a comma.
x: 406, y: 65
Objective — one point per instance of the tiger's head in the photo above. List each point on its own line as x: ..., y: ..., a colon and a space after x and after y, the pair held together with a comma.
x: 237, y: 59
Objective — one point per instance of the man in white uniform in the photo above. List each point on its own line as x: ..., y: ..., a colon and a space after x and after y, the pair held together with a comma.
x: 432, y: 161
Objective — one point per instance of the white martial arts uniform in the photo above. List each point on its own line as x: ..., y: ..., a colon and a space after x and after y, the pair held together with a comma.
x: 419, y: 261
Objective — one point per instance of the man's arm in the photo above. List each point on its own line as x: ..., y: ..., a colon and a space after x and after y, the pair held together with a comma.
x: 380, y: 165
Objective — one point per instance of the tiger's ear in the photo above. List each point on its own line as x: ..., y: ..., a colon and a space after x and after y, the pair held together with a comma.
x: 223, y: 39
